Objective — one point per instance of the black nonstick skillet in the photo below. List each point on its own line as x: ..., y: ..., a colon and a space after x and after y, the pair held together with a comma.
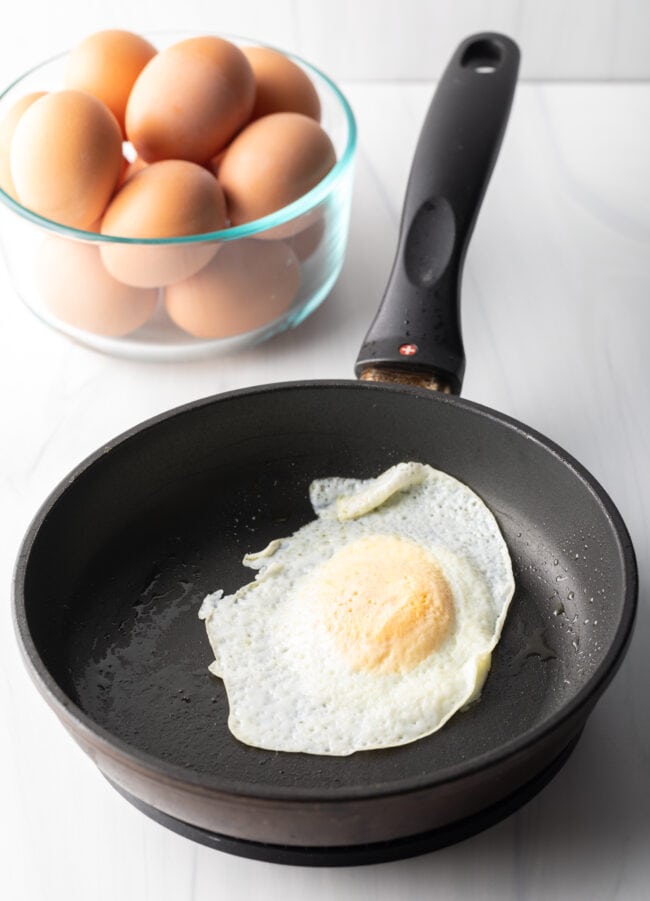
x: 113, y: 569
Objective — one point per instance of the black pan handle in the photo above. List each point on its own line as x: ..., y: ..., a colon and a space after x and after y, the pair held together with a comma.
x: 416, y: 332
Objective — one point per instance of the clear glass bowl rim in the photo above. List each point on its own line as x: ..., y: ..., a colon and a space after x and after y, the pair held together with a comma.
x: 292, y: 211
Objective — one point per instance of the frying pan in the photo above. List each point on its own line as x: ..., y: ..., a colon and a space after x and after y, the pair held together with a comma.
x: 111, y: 573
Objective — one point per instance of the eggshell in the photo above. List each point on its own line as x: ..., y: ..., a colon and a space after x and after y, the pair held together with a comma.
x: 306, y: 241
x: 189, y: 100
x: 247, y: 285
x: 280, y: 85
x: 171, y: 198
x: 76, y: 287
x: 66, y: 157
x: 271, y: 163
x: 106, y: 65
x: 214, y: 163
x: 130, y: 168
x: 7, y: 129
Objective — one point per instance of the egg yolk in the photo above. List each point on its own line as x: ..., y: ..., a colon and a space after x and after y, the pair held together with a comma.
x: 386, y: 603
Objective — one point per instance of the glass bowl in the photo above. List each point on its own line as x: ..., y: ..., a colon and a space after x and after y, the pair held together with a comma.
x: 308, y: 237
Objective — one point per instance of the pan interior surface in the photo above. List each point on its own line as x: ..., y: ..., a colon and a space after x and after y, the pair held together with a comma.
x: 117, y: 565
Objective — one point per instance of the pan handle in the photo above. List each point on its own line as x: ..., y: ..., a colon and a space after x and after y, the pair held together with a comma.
x: 416, y: 334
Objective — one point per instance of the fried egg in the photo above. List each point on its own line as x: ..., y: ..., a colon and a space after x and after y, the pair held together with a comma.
x: 370, y: 626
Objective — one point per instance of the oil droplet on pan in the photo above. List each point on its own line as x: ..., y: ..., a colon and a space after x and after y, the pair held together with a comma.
x: 535, y: 646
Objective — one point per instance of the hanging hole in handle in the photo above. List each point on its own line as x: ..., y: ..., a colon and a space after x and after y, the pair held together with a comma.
x: 484, y: 56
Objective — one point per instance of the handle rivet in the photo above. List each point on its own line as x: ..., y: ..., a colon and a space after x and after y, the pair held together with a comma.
x: 407, y: 350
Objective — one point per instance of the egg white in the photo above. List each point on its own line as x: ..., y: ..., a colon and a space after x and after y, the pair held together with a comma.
x: 290, y: 689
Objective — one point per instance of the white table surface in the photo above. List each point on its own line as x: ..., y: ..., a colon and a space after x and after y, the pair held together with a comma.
x: 556, y: 322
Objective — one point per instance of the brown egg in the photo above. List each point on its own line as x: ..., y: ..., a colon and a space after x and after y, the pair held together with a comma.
x: 189, y: 100
x: 247, y: 285
x: 214, y: 163
x: 171, y: 198
x: 66, y: 157
x: 281, y: 85
x: 7, y: 129
x: 306, y: 241
x: 272, y: 162
x: 130, y: 168
x: 76, y: 287
x: 106, y: 65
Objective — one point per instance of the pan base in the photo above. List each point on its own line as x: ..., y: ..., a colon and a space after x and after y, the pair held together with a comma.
x: 359, y: 855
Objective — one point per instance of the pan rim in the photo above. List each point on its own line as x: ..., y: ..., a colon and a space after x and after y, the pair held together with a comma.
x: 577, y: 708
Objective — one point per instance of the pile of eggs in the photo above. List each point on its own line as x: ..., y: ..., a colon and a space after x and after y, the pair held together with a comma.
x: 143, y: 143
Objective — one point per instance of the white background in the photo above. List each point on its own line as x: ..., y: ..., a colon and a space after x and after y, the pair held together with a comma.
x: 362, y: 39
x: 556, y: 320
